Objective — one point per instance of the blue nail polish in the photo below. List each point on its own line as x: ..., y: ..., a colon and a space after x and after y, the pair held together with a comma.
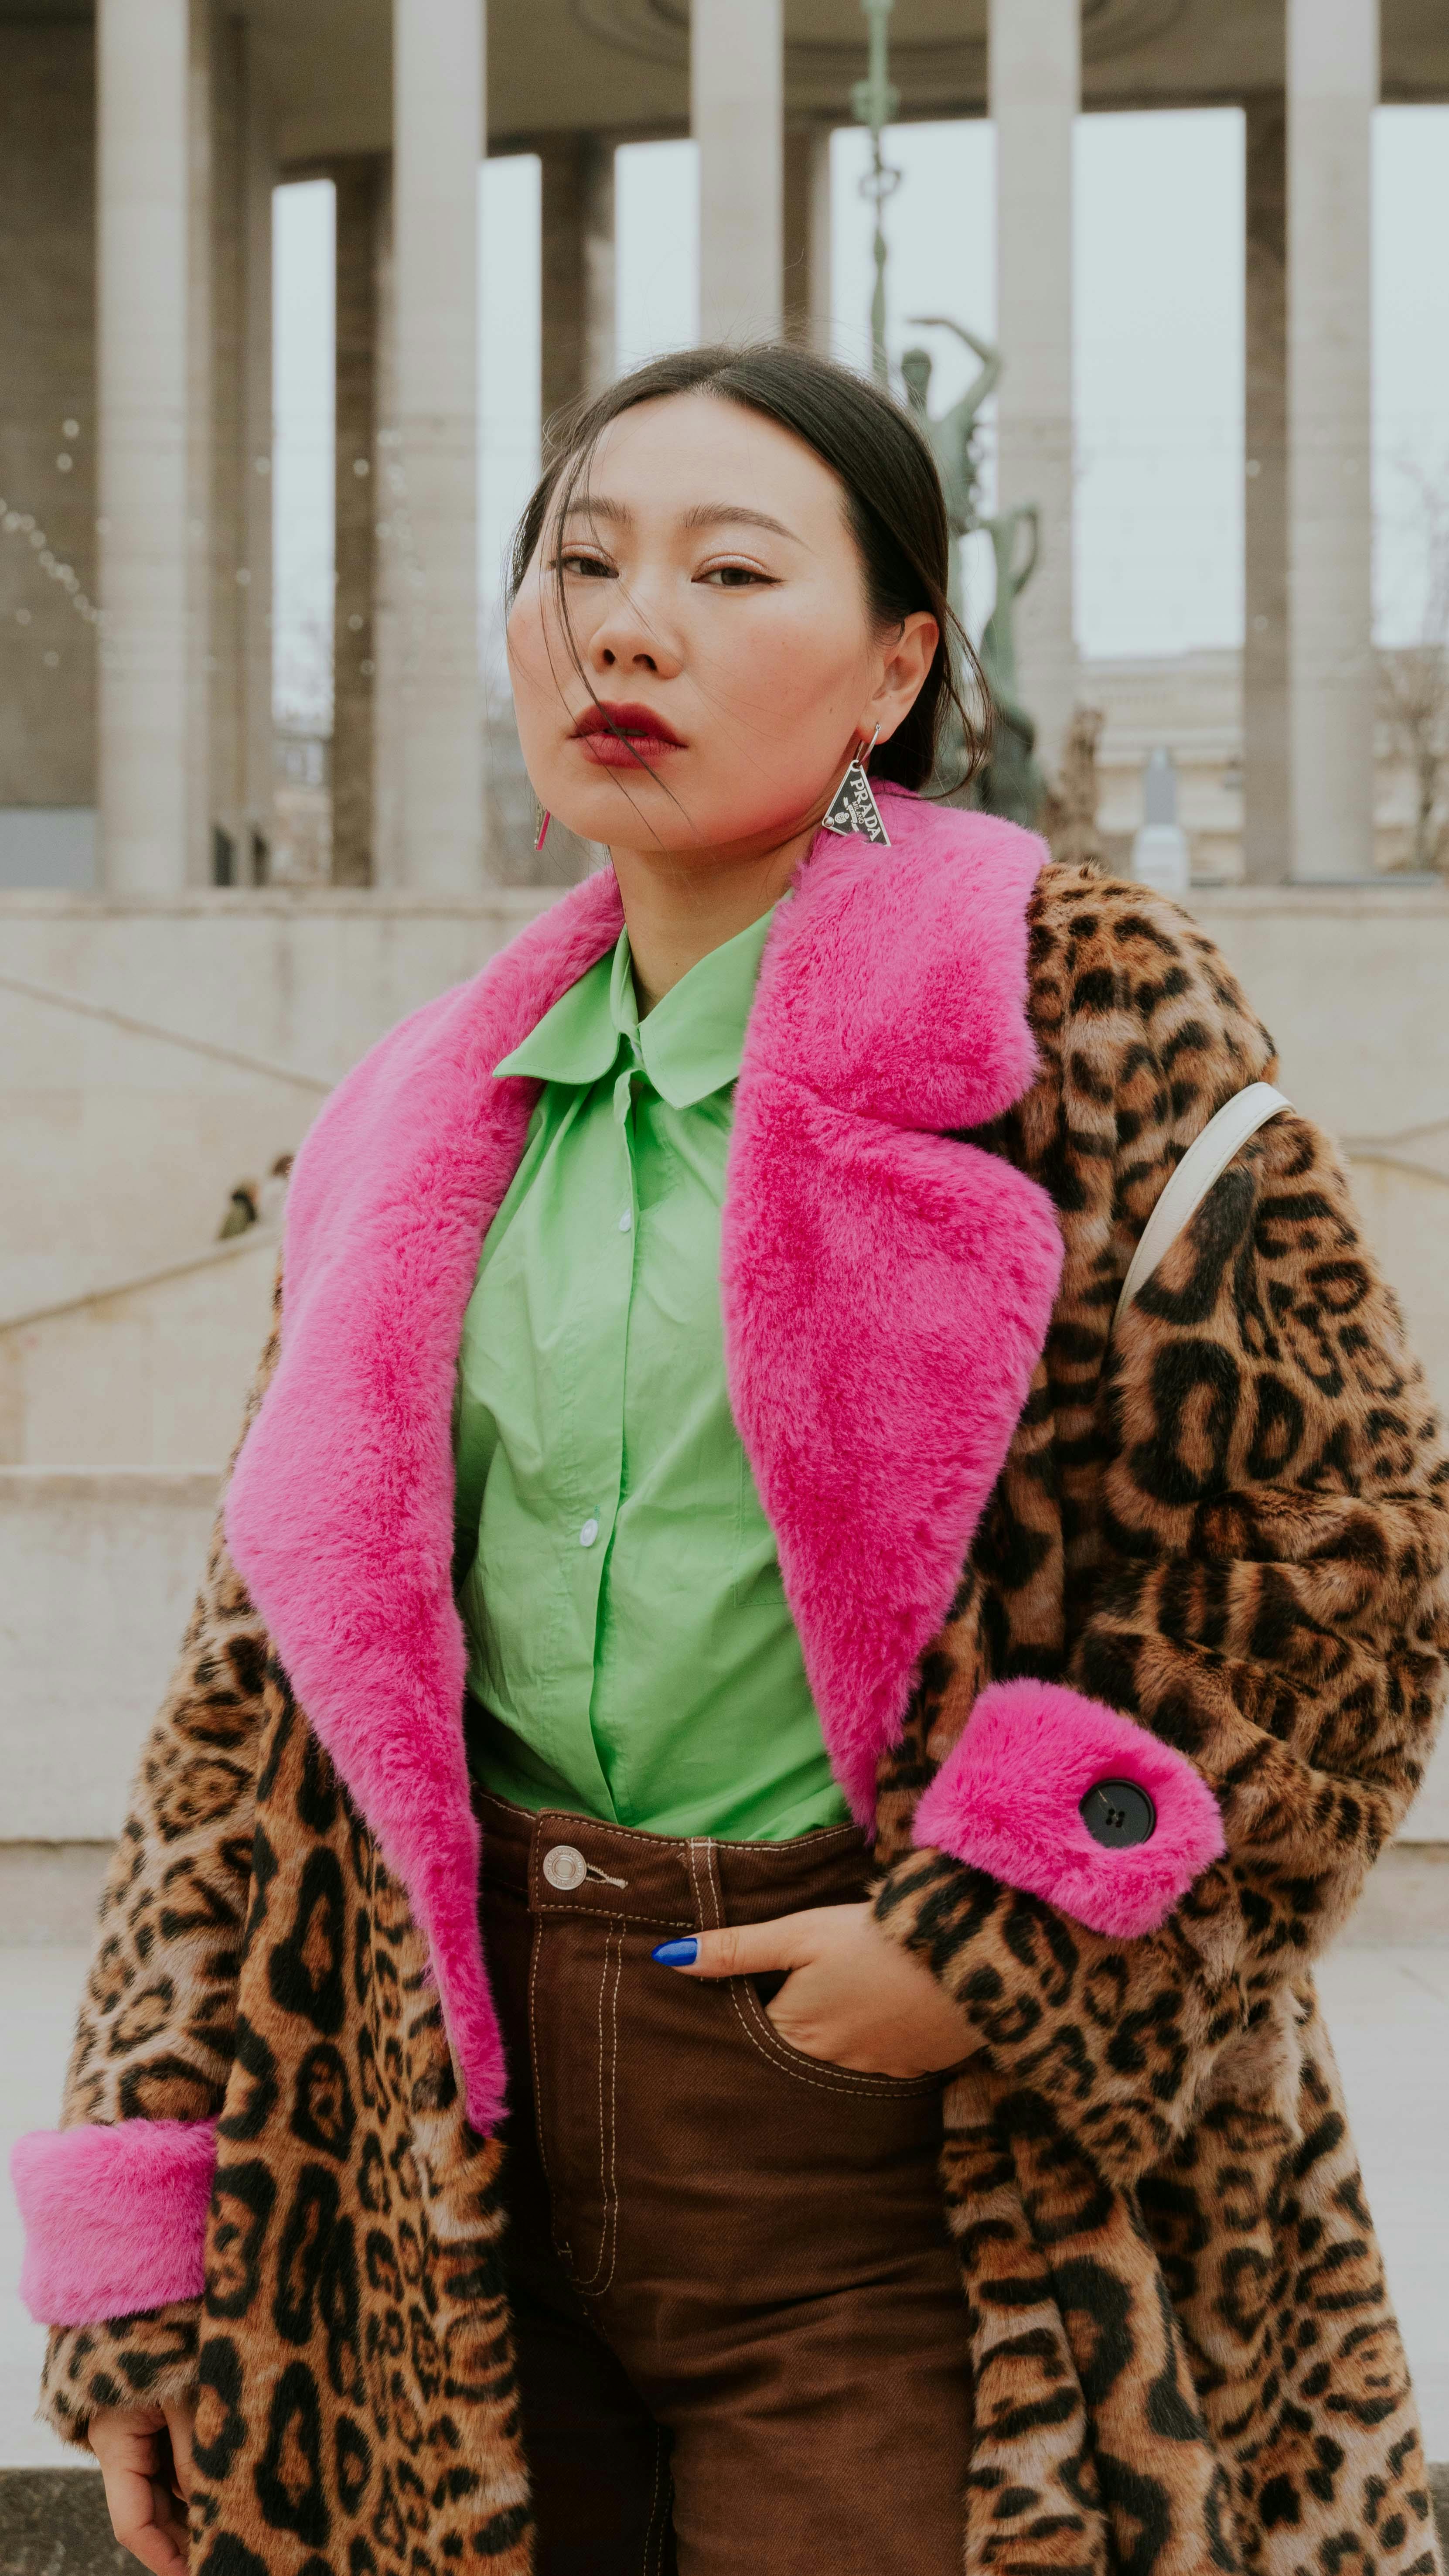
x: 677, y: 1954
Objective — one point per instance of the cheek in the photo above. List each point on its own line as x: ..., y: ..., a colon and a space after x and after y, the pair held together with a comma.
x: 539, y: 663
x: 529, y: 646
x: 795, y: 670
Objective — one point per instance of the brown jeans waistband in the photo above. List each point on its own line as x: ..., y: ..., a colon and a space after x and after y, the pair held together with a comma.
x: 557, y: 1863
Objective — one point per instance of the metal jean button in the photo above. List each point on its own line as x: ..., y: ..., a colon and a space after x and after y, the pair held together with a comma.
x: 564, y: 1867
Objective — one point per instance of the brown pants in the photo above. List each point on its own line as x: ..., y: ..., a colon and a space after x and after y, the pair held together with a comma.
x: 742, y: 2334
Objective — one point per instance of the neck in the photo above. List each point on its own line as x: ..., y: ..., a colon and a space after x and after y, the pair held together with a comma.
x: 677, y: 908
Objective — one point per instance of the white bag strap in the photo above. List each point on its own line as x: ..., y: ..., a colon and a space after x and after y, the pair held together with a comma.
x: 1207, y: 1156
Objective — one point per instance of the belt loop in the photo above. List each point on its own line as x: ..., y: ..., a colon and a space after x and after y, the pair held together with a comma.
x: 709, y: 1911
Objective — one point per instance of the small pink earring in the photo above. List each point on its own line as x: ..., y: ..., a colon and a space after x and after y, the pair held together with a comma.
x: 541, y: 821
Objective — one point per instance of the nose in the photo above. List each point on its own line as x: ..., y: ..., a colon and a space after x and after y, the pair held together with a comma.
x: 633, y: 635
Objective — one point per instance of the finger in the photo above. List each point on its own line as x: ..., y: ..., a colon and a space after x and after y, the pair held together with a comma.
x: 179, y: 2421
x: 740, y: 1949
x: 127, y: 2436
x: 164, y: 2545
x: 143, y: 2518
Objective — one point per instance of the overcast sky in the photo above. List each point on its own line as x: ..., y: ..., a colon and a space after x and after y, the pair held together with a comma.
x: 1159, y: 355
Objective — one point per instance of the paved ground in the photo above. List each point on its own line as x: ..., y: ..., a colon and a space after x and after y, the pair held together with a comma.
x: 1389, y: 2010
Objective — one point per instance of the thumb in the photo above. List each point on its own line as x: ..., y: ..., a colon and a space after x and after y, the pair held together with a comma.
x: 740, y: 1949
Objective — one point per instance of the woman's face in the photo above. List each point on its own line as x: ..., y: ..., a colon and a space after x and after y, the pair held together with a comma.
x: 716, y: 602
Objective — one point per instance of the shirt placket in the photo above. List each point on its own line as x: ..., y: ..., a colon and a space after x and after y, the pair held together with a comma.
x: 596, y: 1535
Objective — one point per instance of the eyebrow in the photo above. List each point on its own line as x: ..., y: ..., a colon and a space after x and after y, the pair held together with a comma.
x: 705, y: 514
x: 718, y: 514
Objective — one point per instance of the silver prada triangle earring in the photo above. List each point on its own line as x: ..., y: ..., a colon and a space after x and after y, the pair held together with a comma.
x: 852, y: 811
x: 541, y: 821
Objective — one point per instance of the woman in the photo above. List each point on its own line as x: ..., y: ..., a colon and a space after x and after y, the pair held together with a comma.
x: 921, y: 1730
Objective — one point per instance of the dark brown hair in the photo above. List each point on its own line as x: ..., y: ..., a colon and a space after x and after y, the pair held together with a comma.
x: 893, y: 496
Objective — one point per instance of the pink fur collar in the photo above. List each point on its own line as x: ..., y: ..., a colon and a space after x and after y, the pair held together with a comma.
x: 886, y: 1294
x: 887, y: 1290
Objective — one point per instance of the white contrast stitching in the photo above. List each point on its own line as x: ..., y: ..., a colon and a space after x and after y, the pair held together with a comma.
x: 617, y: 1914
x: 603, y: 1980
x: 533, y: 2045
x: 767, y: 2043
x: 614, y: 2109
x: 670, y: 1842
x: 608, y: 2193
x: 843, y: 2079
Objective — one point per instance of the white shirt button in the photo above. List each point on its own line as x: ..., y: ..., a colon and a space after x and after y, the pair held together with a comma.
x: 588, y: 1533
x: 626, y: 1220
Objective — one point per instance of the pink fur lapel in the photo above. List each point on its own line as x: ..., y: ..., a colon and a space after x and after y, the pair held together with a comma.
x: 886, y: 1295
x: 887, y: 1291
x: 340, y: 1507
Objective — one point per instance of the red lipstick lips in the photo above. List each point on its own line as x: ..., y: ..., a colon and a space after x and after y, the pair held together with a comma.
x: 647, y: 734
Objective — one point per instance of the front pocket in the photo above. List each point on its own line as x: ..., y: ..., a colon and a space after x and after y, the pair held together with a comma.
x: 821, y: 2072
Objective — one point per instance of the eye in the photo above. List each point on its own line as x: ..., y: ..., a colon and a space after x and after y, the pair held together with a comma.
x: 737, y: 577
x: 592, y: 567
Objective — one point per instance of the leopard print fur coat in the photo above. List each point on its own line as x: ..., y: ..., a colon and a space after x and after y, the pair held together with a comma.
x: 1225, y: 1518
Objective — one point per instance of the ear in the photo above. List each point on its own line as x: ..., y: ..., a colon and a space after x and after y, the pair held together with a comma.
x: 906, y: 658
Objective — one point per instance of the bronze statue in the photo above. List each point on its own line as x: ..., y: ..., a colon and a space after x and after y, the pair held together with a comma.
x: 953, y: 437
x: 1011, y: 782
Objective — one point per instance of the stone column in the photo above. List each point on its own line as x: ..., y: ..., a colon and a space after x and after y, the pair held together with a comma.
x: 737, y: 117
x: 358, y: 182
x: 142, y: 214
x: 389, y: 604
x: 601, y: 363
x: 230, y: 569
x: 258, y: 178
x: 210, y: 848
x: 229, y: 782
x: 1035, y: 77
x: 438, y: 61
x: 1333, y: 80
x: 807, y: 237
x: 578, y: 267
x: 1265, y: 499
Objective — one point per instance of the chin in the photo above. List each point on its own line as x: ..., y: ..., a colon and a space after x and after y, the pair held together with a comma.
x: 639, y: 812
x: 628, y: 812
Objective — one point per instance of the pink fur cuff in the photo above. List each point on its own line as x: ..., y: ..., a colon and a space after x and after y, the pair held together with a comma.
x: 115, y: 2217
x: 1008, y: 1799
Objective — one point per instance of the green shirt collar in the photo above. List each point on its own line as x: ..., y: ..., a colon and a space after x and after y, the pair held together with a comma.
x: 689, y: 1045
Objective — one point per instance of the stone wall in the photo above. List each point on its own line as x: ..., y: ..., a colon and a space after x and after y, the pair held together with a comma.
x: 98, y: 1571
x: 118, y: 1149
x: 1192, y: 705
x: 152, y: 1375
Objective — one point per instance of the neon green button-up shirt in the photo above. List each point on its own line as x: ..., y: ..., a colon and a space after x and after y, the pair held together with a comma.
x: 630, y: 1648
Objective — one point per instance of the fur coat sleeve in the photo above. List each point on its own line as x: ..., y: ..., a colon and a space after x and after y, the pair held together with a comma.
x: 1243, y: 1488
x: 161, y: 2050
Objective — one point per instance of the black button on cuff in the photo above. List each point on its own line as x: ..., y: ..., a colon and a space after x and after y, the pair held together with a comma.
x: 1118, y: 1814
